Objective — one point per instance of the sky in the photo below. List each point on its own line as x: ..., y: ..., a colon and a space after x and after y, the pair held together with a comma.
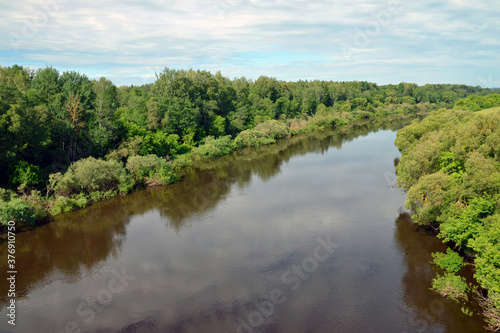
x: 128, y: 41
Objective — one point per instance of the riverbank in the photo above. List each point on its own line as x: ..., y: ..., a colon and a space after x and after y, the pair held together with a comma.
x: 450, y: 168
x: 86, y: 140
x: 91, y: 180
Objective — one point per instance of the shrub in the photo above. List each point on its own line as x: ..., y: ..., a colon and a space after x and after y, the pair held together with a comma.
x: 429, y: 196
x: 90, y: 174
x: 164, y: 176
x: 151, y: 169
x: 450, y: 262
x: 367, y: 115
x: 296, y: 124
x: 64, y: 204
x: 214, y: 147
x: 451, y: 286
x: 273, y: 128
x: 101, y: 195
x: 182, y: 161
x: 37, y: 204
x: 5, y: 194
x: 326, y: 120
x: 253, y: 138
x: 491, y: 310
x: 141, y: 166
x: 310, y: 127
x: 15, y: 209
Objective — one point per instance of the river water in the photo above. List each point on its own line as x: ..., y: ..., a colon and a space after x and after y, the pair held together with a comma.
x: 307, y: 235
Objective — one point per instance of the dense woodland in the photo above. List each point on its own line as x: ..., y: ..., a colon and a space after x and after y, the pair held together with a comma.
x: 450, y: 166
x: 67, y: 140
x: 50, y: 119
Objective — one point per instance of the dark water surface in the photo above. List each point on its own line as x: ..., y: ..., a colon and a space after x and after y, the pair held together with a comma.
x: 303, y: 236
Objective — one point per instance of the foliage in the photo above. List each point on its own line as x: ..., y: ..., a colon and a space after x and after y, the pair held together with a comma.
x: 26, y: 175
x: 163, y: 176
x: 6, y: 194
x: 37, y: 204
x: 64, y: 204
x: 51, y: 122
x: 218, y: 126
x: 450, y: 262
x: 491, y: 313
x: 15, y: 209
x: 49, y: 116
x: 160, y: 144
x: 182, y: 161
x: 411, y: 135
x: 449, y: 164
x: 91, y: 174
x: 273, y: 128
x: 98, y: 195
x: 128, y: 147
x: 150, y: 169
x: 450, y: 167
x: 468, y: 222
x: 476, y: 103
x: 487, y: 245
x: 451, y: 286
x: 430, y: 196
x: 252, y: 138
x: 214, y: 147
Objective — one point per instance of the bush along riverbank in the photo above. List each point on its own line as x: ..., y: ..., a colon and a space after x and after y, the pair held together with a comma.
x: 90, y: 179
x: 450, y: 167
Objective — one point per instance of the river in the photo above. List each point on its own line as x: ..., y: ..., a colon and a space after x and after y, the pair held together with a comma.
x: 307, y: 235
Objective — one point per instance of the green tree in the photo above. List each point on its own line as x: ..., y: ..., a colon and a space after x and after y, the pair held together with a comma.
x: 102, y: 127
x: 218, y: 126
x: 25, y: 175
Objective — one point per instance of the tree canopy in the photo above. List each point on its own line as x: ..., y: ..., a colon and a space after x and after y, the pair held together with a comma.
x: 450, y: 166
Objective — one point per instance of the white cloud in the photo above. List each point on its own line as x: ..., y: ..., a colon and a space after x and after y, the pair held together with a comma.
x: 123, y: 38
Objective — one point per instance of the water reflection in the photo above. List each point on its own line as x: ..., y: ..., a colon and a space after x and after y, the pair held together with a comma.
x: 66, y: 249
x: 205, y: 254
x: 430, y: 312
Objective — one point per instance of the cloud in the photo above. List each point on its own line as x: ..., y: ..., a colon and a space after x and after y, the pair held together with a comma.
x: 290, y: 40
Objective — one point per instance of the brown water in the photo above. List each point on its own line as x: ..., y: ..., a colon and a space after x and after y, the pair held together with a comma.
x: 303, y: 236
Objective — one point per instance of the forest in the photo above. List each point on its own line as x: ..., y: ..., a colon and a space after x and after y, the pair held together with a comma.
x: 450, y: 167
x: 68, y: 140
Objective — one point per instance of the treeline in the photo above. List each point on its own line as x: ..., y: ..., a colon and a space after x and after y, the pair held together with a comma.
x: 50, y: 119
x: 450, y: 167
x: 67, y: 140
